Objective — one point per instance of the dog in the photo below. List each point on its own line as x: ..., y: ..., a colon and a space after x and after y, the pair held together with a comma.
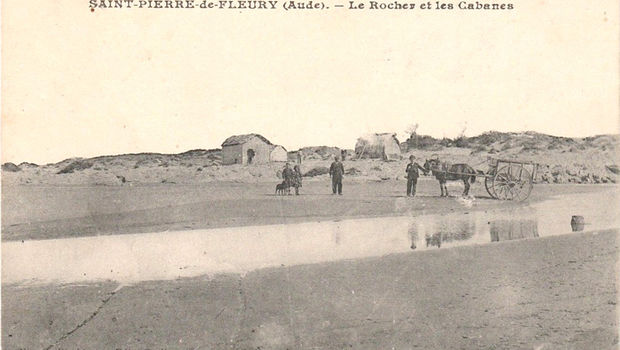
x: 281, y: 188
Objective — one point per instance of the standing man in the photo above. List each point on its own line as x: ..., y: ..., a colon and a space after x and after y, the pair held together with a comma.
x: 412, y: 175
x: 336, y: 172
x: 289, y: 177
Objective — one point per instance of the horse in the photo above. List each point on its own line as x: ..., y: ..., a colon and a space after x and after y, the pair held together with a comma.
x: 455, y: 172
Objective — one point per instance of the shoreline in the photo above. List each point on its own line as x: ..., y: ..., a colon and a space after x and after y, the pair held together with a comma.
x: 93, y: 211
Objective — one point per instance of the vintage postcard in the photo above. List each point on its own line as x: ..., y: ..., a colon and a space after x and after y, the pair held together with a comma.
x: 310, y: 174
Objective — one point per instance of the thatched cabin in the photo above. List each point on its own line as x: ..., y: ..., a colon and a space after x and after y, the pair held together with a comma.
x: 383, y: 146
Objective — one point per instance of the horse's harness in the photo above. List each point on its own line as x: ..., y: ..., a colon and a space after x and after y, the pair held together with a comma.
x: 439, y: 166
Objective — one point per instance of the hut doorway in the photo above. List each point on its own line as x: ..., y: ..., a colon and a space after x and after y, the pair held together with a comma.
x: 251, y: 155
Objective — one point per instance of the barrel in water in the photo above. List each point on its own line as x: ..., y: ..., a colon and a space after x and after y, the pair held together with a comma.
x: 577, y: 223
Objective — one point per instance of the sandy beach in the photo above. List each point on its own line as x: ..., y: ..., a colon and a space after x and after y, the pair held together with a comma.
x: 547, y: 293
x: 552, y: 292
x: 44, y: 212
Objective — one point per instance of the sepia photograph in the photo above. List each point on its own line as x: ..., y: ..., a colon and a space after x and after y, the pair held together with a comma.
x: 310, y: 174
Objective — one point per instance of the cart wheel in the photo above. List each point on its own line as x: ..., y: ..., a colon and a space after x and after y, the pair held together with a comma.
x: 488, y: 184
x: 512, y: 182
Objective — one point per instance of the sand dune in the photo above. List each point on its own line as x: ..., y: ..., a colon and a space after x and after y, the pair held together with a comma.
x: 563, y: 160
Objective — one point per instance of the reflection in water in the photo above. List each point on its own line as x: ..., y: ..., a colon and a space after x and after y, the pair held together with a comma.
x: 458, y: 229
x: 505, y: 230
x: 461, y: 230
x: 336, y: 237
x: 452, y: 230
x: 433, y: 240
x: 413, y: 235
x: 138, y: 257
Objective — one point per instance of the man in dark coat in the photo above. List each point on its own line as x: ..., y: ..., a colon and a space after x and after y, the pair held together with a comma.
x: 412, y: 175
x: 289, y: 177
x: 336, y: 172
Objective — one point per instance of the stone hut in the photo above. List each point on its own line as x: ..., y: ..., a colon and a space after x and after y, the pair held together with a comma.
x: 246, y: 149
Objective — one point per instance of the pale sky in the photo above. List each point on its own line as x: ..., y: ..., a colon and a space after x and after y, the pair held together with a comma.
x: 76, y: 83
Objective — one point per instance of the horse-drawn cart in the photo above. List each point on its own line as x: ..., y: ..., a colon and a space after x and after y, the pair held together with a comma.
x: 506, y: 179
x: 509, y: 179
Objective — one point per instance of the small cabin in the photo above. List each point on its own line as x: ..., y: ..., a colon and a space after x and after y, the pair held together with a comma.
x: 251, y: 149
x: 278, y: 154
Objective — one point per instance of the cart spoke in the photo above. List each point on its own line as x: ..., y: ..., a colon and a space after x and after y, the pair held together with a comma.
x: 512, y: 181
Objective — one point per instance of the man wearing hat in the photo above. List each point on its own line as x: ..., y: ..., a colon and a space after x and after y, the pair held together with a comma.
x: 288, y: 176
x: 336, y: 172
x: 412, y: 175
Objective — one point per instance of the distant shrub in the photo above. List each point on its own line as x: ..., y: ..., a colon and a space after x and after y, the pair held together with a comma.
x: 479, y: 149
x: 530, y: 146
x: 316, y: 171
x: 376, y: 168
x: 320, y: 152
x: 446, y: 142
x: 422, y: 142
x: 10, y: 167
x: 76, y: 166
x: 426, y: 142
x: 145, y: 162
x: 462, y: 142
x: 489, y: 138
x: 352, y: 171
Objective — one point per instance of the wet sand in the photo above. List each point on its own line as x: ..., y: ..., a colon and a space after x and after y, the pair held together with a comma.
x: 547, y: 293
x: 45, y: 212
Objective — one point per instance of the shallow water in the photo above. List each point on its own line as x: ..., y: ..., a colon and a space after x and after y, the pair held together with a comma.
x: 132, y: 258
